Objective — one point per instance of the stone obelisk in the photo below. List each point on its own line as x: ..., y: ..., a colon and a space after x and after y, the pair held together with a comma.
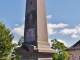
x: 35, y: 46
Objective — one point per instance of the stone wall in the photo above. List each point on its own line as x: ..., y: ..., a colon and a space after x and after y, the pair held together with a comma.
x: 74, y: 55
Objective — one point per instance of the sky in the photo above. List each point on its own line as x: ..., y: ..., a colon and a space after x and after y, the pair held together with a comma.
x: 63, y: 19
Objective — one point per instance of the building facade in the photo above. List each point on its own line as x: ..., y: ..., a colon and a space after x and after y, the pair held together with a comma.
x: 74, y: 51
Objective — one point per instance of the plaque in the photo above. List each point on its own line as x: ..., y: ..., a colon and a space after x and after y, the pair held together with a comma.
x: 30, y: 35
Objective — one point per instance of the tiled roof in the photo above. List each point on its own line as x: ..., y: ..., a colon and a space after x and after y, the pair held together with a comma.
x: 76, y: 46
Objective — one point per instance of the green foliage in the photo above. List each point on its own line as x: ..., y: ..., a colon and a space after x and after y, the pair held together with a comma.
x: 60, y: 48
x: 63, y: 56
x: 5, y: 41
x: 20, y: 41
x: 55, y: 56
x: 14, y: 55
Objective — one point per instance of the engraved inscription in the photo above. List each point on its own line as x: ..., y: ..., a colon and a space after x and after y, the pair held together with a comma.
x: 30, y: 35
x: 30, y: 27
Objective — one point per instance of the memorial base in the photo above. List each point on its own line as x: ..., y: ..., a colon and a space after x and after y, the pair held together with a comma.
x: 37, y: 56
x: 41, y: 52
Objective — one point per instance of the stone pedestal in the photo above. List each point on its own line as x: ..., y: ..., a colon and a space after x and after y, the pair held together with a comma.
x: 37, y: 56
x: 40, y: 52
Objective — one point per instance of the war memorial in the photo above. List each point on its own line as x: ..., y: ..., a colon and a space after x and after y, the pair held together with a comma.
x: 35, y: 46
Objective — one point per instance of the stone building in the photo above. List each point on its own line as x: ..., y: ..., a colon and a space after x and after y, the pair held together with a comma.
x: 74, y: 51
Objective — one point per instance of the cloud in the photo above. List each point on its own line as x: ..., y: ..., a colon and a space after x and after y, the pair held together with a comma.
x: 51, y: 31
x: 49, y: 16
x: 19, y: 30
x: 75, y: 32
x: 16, y: 24
x: 68, y: 31
x: 74, y: 36
x: 52, y: 27
x: 14, y: 41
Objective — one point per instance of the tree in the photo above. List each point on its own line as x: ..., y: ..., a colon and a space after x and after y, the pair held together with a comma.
x: 14, y: 55
x: 20, y: 41
x: 5, y: 41
x: 60, y: 48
